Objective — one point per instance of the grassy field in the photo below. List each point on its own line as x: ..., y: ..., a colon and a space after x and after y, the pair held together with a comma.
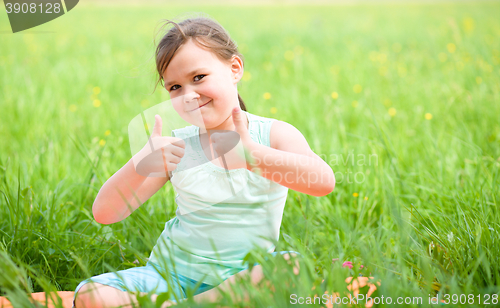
x: 403, y: 102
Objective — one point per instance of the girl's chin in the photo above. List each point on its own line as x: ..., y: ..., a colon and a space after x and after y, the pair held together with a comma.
x: 205, y: 117
x: 204, y: 121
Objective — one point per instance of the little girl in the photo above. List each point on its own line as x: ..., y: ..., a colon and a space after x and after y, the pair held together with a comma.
x: 231, y: 171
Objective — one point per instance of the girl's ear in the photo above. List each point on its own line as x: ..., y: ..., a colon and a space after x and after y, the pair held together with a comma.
x: 236, y: 69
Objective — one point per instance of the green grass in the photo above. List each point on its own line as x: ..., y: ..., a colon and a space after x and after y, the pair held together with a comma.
x: 421, y: 216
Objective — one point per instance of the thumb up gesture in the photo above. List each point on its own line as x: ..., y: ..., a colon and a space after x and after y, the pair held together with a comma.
x: 161, y: 154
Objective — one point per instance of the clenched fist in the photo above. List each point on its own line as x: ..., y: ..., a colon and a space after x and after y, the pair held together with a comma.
x: 161, y: 154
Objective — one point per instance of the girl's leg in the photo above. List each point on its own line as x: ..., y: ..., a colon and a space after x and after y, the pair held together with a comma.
x: 97, y: 295
x: 256, y: 275
x: 110, y: 289
x: 214, y: 295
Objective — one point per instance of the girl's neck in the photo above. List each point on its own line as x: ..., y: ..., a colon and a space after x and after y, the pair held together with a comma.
x: 228, y: 124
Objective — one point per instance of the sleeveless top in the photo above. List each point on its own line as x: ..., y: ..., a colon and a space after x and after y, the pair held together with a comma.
x: 221, y: 213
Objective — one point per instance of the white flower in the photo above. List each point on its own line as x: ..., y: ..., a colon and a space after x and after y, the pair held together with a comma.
x: 450, y: 237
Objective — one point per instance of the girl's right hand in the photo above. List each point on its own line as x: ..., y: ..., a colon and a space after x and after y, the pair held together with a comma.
x: 160, y: 155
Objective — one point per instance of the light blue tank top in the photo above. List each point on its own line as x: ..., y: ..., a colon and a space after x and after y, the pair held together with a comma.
x: 213, y: 228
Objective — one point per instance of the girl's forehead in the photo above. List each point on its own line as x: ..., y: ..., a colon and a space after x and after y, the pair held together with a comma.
x: 192, y: 52
x: 190, y: 56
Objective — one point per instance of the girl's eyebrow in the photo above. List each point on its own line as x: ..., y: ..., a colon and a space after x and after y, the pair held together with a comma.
x: 187, y: 75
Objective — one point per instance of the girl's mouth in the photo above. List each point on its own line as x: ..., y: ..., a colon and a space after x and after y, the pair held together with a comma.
x: 201, y: 106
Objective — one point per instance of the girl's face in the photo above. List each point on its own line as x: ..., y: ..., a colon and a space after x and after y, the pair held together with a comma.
x: 202, y: 87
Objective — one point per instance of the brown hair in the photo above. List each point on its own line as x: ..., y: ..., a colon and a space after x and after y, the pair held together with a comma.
x: 204, y: 31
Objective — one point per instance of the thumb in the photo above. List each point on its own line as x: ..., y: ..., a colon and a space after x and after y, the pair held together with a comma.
x: 215, y: 139
x: 157, y: 127
x: 238, y: 120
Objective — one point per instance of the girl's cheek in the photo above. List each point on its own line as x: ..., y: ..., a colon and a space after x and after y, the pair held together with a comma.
x: 177, y: 105
x: 205, y: 89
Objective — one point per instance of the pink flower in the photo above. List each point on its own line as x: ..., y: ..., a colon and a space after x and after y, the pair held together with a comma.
x: 346, y: 264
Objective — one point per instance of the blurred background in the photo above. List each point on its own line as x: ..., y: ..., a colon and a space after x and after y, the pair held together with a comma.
x: 400, y: 98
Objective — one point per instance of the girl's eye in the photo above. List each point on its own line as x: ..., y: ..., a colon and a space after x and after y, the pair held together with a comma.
x: 199, y: 75
x: 175, y: 85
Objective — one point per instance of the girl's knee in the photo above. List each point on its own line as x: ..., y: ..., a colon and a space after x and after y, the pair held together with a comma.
x: 85, y: 296
x: 288, y: 254
x: 257, y: 274
x: 296, y: 268
x: 81, y: 295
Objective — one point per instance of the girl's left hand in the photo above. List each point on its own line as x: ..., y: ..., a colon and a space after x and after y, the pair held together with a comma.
x: 232, y: 147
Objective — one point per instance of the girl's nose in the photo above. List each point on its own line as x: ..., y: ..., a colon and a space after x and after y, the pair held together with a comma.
x: 190, y: 97
x: 191, y: 100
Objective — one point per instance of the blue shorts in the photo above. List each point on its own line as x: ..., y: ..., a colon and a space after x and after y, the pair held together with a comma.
x: 148, y: 279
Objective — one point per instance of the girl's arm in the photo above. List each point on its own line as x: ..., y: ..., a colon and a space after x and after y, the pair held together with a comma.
x: 123, y: 193
x: 291, y: 162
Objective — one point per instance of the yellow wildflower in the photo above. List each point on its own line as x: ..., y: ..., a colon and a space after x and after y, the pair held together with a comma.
x: 451, y: 47
x: 382, y: 57
x: 289, y: 55
x: 468, y: 24
x: 267, y: 95
x: 401, y: 71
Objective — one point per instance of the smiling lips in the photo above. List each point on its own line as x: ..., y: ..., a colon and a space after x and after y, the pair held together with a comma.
x: 200, y: 106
